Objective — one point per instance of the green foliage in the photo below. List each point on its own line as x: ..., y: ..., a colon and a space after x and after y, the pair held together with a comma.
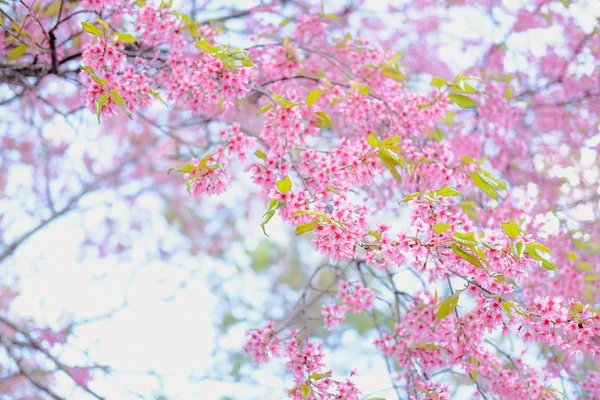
x: 284, y: 185
x: 91, y: 28
x: 124, y: 38
x: 462, y: 100
x: 303, y: 228
x: 465, y: 255
x: 17, y: 52
x: 511, y: 229
x: 448, y: 305
x: 440, y: 228
x: 313, y: 96
x: 272, y: 208
x: 324, y: 120
x: 488, y: 184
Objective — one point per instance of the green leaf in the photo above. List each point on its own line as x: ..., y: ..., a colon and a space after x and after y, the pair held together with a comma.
x: 436, y: 134
x: 260, y: 154
x: 465, y: 255
x: 393, y: 73
x: 264, y: 108
x: 438, y: 82
x: 520, y: 249
x: 103, y: 23
x: 324, y: 120
x: 483, y: 185
x: 507, y: 305
x: 289, y: 103
x: 448, y: 119
x: 310, y: 212
x: 364, y: 90
x: 511, y: 229
x: 271, y: 209
x: 330, y: 16
x: 466, y: 239
x: 203, y: 45
x: 91, y: 28
x: 125, y: 38
x: 447, y: 191
x: 410, y: 197
x: 468, y: 207
x: 548, y: 265
x: 584, y: 266
x: 440, y: 228
x: 114, y: 94
x: 491, y: 180
x: 318, y: 377
x: 313, y: 96
x: 306, y: 390
x: 187, y: 168
x: 284, y: 185
x: 390, y: 160
x: 284, y: 22
x: 539, y: 246
x: 100, y: 103
x: 474, y: 375
x: 17, y: 52
x: 462, y: 100
x: 303, y: 228
x: 536, y: 256
x: 373, y: 141
x: 447, y: 306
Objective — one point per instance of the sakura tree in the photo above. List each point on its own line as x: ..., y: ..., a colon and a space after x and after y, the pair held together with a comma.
x: 428, y: 171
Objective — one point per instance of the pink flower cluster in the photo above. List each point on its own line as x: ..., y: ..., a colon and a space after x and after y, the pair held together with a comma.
x: 354, y: 297
x: 262, y: 343
x: 210, y: 175
x: 338, y: 235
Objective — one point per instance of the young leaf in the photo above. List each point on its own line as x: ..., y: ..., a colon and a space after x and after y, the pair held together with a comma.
x: 103, y: 23
x: 260, y: 154
x: 203, y: 45
x: 447, y: 191
x: 264, y: 108
x: 539, y: 246
x: 125, y: 38
x: 284, y: 185
x: 511, y: 229
x: 466, y: 239
x: 306, y: 390
x: 271, y: 209
x: 440, y: 228
x: 303, y: 228
x: 91, y: 28
x: 324, y: 120
x: 506, y: 305
x: 17, y: 52
x: 520, y: 249
x: 462, y: 100
x: 313, y: 96
x: 373, y: 141
x: 410, y: 197
x: 447, y: 306
x: 310, y: 212
x: 466, y: 256
x: 318, y: 377
x: 438, y: 82
x: 393, y: 73
x: 483, y: 185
